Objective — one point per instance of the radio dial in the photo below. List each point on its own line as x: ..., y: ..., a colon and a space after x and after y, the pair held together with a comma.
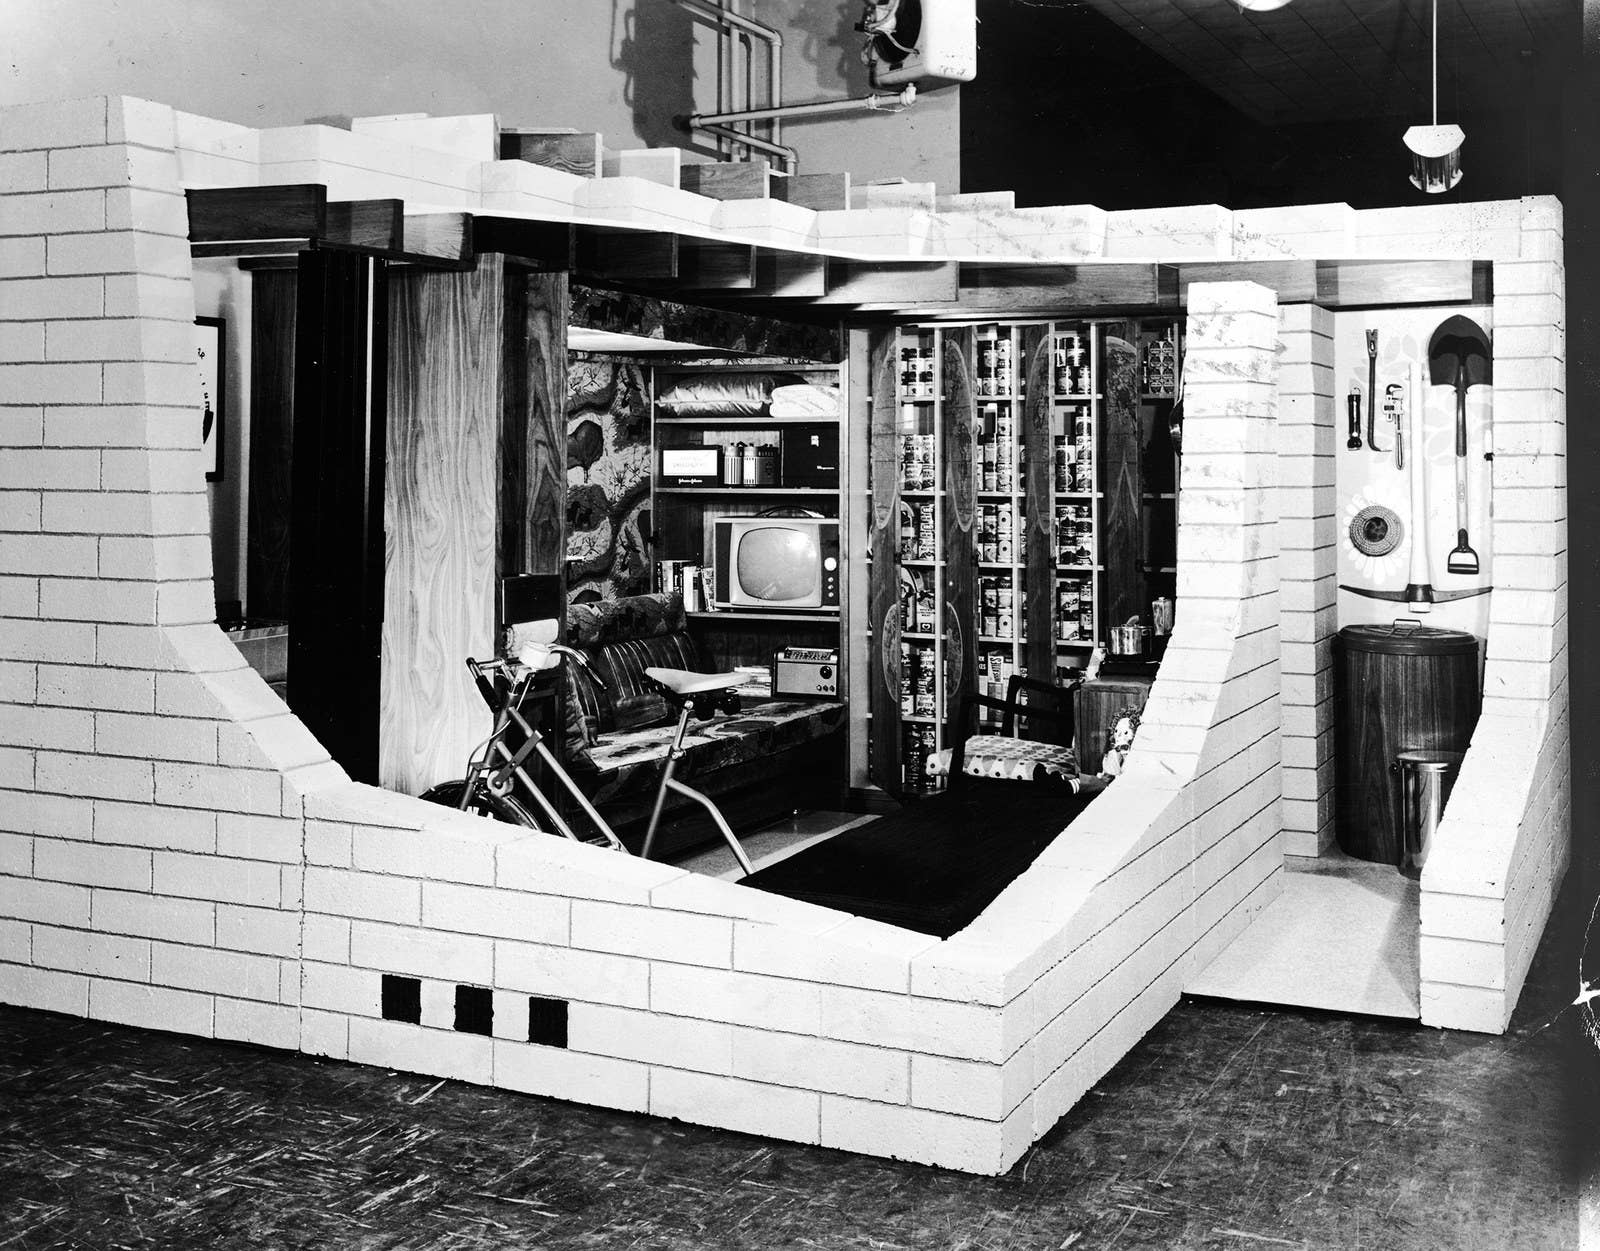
x: 825, y: 672
x: 830, y: 564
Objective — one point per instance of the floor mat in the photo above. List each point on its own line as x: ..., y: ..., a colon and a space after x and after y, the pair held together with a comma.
x: 935, y: 865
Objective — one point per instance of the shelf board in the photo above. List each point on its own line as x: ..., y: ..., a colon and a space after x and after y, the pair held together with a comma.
x: 746, y: 490
x: 908, y: 718
x: 1075, y: 571
x: 1159, y: 495
x: 750, y: 423
x: 1058, y: 398
x: 1063, y: 645
x: 819, y: 617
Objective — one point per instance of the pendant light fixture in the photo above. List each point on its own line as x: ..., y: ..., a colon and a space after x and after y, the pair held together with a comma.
x: 1435, y: 149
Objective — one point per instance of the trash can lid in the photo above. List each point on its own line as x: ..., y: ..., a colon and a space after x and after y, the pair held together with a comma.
x: 1404, y: 639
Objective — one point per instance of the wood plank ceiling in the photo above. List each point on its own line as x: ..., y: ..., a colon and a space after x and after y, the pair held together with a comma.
x: 1333, y: 60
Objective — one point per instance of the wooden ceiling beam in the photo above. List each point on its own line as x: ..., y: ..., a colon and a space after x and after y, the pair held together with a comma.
x: 612, y: 253
x: 258, y: 214
x: 376, y: 225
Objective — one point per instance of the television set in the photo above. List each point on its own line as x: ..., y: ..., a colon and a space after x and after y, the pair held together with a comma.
x: 789, y: 563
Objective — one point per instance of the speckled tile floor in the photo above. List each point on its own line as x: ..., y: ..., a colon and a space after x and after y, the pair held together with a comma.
x: 1227, y: 1127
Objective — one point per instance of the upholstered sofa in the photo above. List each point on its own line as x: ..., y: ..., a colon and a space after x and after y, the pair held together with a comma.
x: 759, y: 764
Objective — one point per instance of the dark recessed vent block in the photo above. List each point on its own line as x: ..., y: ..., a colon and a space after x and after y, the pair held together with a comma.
x: 474, y: 1010
x: 402, y: 999
x: 547, y: 1021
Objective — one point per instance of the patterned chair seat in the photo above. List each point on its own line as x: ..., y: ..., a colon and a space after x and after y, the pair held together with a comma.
x: 1002, y: 757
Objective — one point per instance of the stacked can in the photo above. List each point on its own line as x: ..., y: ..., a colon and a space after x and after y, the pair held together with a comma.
x: 1005, y: 452
x: 1005, y: 532
x: 1160, y: 366
x: 916, y: 462
x: 919, y: 745
x: 988, y: 546
x: 927, y: 521
x: 1065, y: 450
x: 923, y: 676
x: 1070, y: 361
x: 907, y: 703
x: 908, y: 371
x: 1005, y: 607
x: 1067, y: 610
x: 1083, y: 453
x: 925, y: 386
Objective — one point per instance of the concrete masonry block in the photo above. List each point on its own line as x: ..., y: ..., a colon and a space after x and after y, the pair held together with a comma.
x: 216, y: 787
x: 853, y: 952
x: 917, y: 1134
x: 340, y: 988
x: 52, y: 383
x: 794, y: 1060
x: 650, y: 1038
x: 627, y: 929
x: 972, y: 968
x: 56, y: 124
x: 19, y: 342
x: 695, y: 892
x: 27, y: 725
x: 151, y: 1007
x: 16, y: 855
x: 95, y: 955
x: 562, y: 972
x: 1198, y: 231
x: 329, y: 843
x: 360, y: 804
x: 102, y: 777
x: 729, y: 1103
x: 57, y: 816
x: 325, y: 939
x: 1465, y: 917
x: 206, y: 969
x: 56, y: 903
x: 559, y: 1074
x: 18, y: 768
x: 1463, y: 962
x: 415, y: 1049
x: 43, y: 989
x: 264, y: 1024
x: 496, y: 912
x: 1514, y: 277
x: 579, y: 870
x: 422, y: 953
x: 212, y: 877
x: 42, y: 298
x: 22, y: 258
x: 247, y: 836
x: 25, y: 171
x: 1472, y: 1008
x: 325, y: 1034
x: 369, y: 896
x: 989, y: 1092
x: 904, y: 1022
x: 157, y: 296
x: 92, y: 864
x: 111, y: 600
x: 738, y: 998
x: 277, y: 743
x: 138, y: 913
x: 262, y: 931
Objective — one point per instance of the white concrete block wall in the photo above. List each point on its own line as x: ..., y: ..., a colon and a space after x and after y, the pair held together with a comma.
x: 1307, y: 539
x: 177, y: 851
x: 1503, y: 846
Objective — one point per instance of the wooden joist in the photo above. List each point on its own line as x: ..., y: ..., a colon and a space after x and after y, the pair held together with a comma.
x: 539, y: 245
x: 572, y: 152
x: 707, y: 266
x: 258, y: 214
x: 444, y: 237
x: 869, y: 282
x: 1355, y: 284
x: 615, y: 253
x: 728, y: 180
x: 821, y: 192
x: 376, y: 225
x: 790, y: 275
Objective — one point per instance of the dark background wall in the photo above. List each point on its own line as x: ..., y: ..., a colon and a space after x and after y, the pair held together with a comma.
x: 1069, y: 109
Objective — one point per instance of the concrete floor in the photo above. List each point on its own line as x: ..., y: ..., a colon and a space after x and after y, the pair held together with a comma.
x: 1228, y: 1126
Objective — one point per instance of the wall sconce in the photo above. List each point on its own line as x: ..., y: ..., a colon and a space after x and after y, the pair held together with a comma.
x: 1435, y: 157
x: 1436, y: 149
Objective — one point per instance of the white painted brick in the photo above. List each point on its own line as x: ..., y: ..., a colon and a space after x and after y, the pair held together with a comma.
x: 463, y: 851
x: 92, y: 864
x: 32, y: 726
x: 929, y: 1026
x: 52, y: 213
x: 149, y: 295
x: 494, y: 912
x: 371, y: 896
x: 328, y: 843
x: 97, y: 955
x: 206, y: 969
x: 213, y: 786
x: 412, y: 1049
x: 51, y: 383
x: 59, y: 816
x: 18, y: 682
x: 626, y: 1034
x: 44, y: 989
x: 258, y: 838
x: 264, y: 1024
x: 21, y: 341
x: 1461, y: 962
x: 1464, y: 1007
x: 99, y: 512
x: 103, y: 777
x: 325, y: 1034
x: 739, y: 998
x: 56, y: 124
x: 422, y: 953
x: 850, y: 953
x: 560, y: 972
x: 749, y: 1107
x: 914, y: 1134
x: 16, y: 855
x: 144, y: 825
x: 660, y: 935
x: 819, y: 1064
x: 18, y: 768
x: 559, y: 1074
x: 325, y: 939
x: 75, y: 599
x: 140, y: 914
x: 25, y: 171
x: 279, y: 743
x: 156, y: 738
x: 20, y: 258
x: 264, y: 931
x: 212, y: 877
x: 579, y: 871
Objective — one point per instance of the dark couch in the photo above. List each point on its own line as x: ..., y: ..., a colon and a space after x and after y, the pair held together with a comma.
x: 759, y: 764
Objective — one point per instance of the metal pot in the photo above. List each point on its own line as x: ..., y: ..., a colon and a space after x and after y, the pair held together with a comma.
x: 1128, y: 640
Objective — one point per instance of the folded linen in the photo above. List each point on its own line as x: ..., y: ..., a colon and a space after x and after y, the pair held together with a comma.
x: 806, y: 400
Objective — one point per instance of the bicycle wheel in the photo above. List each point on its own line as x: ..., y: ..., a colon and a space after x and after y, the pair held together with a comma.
x: 484, y: 803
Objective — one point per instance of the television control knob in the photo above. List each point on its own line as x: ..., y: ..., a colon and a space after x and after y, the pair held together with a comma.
x: 825, y: 672
x: 830, y: 563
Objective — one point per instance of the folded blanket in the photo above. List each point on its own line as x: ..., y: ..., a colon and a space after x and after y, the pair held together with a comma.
x: 806, y: 400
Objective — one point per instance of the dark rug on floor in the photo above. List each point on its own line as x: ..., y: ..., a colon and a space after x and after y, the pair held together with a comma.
x: 933, y: 866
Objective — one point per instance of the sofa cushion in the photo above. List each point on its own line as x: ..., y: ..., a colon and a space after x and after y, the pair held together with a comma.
x: 622, y: 638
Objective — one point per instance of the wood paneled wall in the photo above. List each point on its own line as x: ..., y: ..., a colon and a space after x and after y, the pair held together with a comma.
x: 883, y: 594
x: 533, y: 459
x: 440, y: 518
x: 272, y: 329
x: 1120, y: 447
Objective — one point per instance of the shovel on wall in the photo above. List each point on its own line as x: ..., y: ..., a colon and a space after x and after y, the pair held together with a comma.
x: 1458, y: 356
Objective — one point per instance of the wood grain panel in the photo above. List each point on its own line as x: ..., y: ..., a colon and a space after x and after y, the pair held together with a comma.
x: 439, y: 520
x: 960, y: 520
x: 1121, y: 446
x: 1038, y: 539
x: 272, y: 330
x: 883, y: 588
x: 533, y: 481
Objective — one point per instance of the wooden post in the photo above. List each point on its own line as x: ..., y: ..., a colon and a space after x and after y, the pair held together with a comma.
x: 960, y: 522
x: 883, y: 590
x: 1039, y: 548
x: 1121, y: 445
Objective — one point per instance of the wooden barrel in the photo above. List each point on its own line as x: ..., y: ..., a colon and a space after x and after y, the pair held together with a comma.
x: 1400, y: 687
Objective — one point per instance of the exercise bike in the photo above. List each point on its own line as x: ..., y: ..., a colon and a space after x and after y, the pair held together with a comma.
x: 497, y: 777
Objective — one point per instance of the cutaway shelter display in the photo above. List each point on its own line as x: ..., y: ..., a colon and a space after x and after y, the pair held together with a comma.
x: 180, y: 852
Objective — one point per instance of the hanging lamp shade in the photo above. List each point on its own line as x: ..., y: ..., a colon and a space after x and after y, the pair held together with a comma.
x: 1435, y: 157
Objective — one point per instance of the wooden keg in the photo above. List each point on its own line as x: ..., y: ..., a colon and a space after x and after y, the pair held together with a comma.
x: 1400, y: 687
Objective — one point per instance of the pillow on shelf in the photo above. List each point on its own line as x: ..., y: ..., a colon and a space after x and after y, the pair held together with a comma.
x: 722, y: 395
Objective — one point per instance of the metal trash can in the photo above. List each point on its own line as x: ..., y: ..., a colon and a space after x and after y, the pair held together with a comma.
x: 1426, y: 778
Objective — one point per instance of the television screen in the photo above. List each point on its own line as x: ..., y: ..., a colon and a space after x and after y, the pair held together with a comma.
x: 778, y: 563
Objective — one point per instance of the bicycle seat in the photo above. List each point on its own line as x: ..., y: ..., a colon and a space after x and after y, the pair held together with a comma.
x: 687, y: 682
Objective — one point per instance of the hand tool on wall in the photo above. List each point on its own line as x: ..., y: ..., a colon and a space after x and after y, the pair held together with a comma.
x: 1372, y: 386
x: 1353, y: 409
x: 1419, y: 595
x: 1394, y: 409
x: 1458, y: 356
